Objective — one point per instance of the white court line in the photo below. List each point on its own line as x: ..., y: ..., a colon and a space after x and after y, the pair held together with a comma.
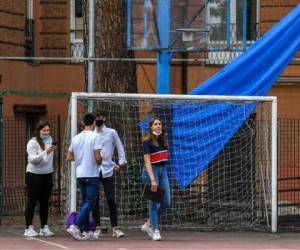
x: 47, y: 242
x: 123, y: 249
x: 44, y: 241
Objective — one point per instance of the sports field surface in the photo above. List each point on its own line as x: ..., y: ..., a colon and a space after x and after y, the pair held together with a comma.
x: 11, y: 238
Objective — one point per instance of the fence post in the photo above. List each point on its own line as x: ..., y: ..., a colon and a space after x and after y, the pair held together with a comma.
x: 58, y: 161
x: 1, y: 163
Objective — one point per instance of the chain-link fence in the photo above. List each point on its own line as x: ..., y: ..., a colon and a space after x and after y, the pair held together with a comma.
x: 288, y: 171
x: 15, y: 134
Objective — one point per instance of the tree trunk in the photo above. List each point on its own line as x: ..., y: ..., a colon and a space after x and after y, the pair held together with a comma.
x: 111, y: 20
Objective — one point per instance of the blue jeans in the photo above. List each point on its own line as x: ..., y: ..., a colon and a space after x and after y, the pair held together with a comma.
x: 89, y: 188
x: 154, y: 208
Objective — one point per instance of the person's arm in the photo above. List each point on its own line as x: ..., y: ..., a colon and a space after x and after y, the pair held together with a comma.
x: 98, y: 158
x: 147, y: 161
x: 33, y: 155
x: 150, y: 172
x: 70, y: 156
x: 120, y: 149
x: 97, y: 150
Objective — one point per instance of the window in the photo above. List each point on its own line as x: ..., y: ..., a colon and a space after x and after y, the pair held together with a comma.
x: 76, y: 19
x: 232, y: 28
x: 29, y: 30
x: 76, y: 30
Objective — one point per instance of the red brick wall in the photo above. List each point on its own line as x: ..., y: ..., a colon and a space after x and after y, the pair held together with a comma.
x: 12, y: 24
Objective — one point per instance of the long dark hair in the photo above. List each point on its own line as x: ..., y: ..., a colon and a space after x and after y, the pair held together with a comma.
x: 161, y: 139
x: 41, y: 124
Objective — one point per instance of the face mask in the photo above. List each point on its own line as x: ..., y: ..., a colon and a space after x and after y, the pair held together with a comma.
x: 156, y: 133
x: 45, y: 137
x: 99, y: 122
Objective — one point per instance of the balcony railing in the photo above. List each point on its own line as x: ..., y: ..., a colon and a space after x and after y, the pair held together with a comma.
x: 77, y: 51
x: 77, y: 47
x: 224, y: 45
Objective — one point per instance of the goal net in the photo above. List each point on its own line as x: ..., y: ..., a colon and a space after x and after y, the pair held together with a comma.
x: 222, y: 166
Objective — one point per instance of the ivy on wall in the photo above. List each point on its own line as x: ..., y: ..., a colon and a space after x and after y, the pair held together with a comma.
x: 33, y: 93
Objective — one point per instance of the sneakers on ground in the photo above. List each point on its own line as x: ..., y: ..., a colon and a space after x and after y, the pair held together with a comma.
x: 30, y: 232
x: 46, y: 231
x: 98, y: 233
x: 117, y: 233
x: 74, y: 231
x: 156, y: 235
x: 146, y: 229
x: 87, y: 236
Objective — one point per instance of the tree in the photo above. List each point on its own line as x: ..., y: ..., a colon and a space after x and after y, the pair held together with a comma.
x: 111, y: 31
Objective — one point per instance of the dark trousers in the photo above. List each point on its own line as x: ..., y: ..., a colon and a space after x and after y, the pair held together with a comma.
x: 39, y: 187
x: 109, y: 190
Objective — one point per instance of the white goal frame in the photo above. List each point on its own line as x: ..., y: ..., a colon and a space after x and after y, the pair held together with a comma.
x: 82, y: 95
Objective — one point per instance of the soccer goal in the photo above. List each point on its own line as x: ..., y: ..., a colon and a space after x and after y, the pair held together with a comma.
x: 222, y: 167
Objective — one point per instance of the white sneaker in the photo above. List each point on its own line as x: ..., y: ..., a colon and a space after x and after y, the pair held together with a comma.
x: 88, y: 236
x: 156, y: 235
x: 74, y: 231
x: 98, y: 233
x: 148, y: 230
x: 117, y: 233
x: 46, y: 231
x: 30, y: 232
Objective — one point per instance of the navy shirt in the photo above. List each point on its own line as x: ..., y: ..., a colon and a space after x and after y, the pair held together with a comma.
x: 158, y: 154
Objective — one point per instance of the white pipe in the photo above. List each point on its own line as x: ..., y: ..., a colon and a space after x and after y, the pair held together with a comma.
x: 91, y: 46
x: 73, y: 168
x: 105, y: 59
x: 73, y: 26
x: 84, y: 95
x: 29, y: 9
x: 274, y: 166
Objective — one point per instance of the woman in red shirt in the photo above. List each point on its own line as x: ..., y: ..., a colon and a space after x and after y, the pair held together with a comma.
x: 155, y: 173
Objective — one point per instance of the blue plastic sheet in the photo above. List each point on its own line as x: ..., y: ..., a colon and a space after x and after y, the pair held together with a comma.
x: 251, y: 74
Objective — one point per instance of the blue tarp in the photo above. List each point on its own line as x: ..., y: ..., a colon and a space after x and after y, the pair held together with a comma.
x: 251, y: 74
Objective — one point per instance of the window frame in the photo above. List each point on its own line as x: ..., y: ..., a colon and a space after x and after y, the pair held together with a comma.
x: 231, y: 46
x: 73, y: 24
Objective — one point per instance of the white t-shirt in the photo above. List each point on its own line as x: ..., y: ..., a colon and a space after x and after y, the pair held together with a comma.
x: 83, y: 146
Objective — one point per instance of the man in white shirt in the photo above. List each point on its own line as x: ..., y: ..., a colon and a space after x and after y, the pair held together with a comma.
x: 85, y: 151
x: 110, y: 141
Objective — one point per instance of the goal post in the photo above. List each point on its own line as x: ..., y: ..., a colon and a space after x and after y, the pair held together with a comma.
x: 223, y: 157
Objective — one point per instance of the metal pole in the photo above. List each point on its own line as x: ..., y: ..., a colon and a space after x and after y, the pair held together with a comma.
x: 91, y: 50
x: 84, y: 95
x: 274, y: 166
x: 146, y: 14
x: 228, y: 24
x: 58, y: 159
x: 73, y: 169
x: 245, y: 25
x: 129, y: 24
x: 163, y: 57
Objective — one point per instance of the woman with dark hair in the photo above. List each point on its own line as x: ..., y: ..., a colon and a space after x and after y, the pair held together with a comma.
x: 155, y: 157
x: 38, y: 178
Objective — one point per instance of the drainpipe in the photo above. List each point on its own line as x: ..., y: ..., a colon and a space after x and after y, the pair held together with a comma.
x: 91, y: 50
